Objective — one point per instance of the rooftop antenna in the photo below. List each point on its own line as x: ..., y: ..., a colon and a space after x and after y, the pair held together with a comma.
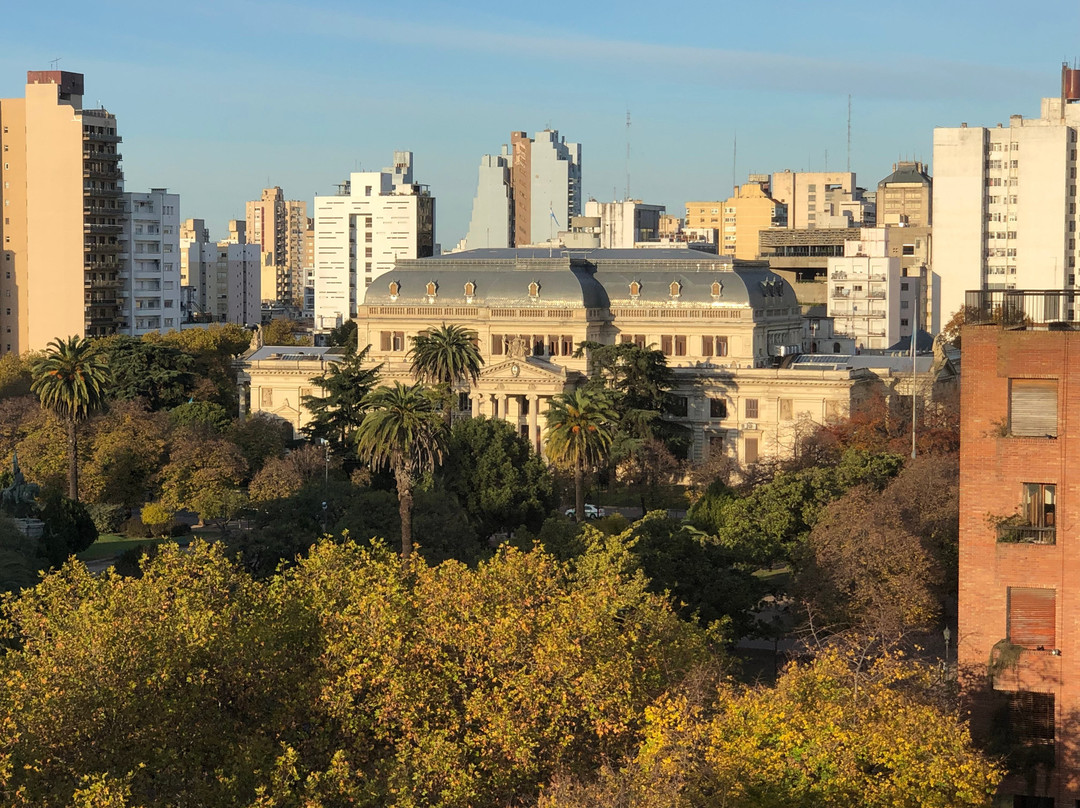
x: 849, y: 133
x: 55, y: 63
x: 627, y: 197
x: 734, y: 155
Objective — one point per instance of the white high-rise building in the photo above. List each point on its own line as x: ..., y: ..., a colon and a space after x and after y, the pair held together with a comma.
x: 150, y: 281
x: 376, y: 218
x: 869, y: 299
x: 1005, y: 201
x: 527, y: 193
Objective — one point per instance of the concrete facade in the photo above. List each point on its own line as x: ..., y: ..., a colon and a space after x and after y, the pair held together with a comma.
x: 61, y: 189
x: 869, y: 299
x: 748, y: 211
x: 376, y: 219
x: 149, y: 298
x: 827, y: 199
x: 1005, y: 204
x: 278, y: 226
x: 527, y: 193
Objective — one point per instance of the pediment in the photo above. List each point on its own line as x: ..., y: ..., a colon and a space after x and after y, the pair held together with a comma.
x: 528, y: 369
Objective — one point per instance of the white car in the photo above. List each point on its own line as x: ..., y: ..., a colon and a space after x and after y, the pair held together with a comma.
x: 591, y: 512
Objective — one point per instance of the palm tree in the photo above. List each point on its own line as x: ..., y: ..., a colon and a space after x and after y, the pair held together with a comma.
x: 446, y: 356
x: 580, y: 427
x: 403, y: 429
x: 70, y: 380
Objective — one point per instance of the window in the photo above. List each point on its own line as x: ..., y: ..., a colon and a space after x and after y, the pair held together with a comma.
x: 1031, y: 718
x: 496, y: 344
x: 751, y: 407
x: 706, y: 346
x: 717, y: 408
x: 680, y: 345
x: 785, y: 409
x: 905, y: 304
x: 1033, y: 405
x: 750, y: 451
x: 567, y: 345
x: 665, y: 345
x: 1032, y: 617
x: 398, y: 341
x: 463, y: 402
x: 678, y: 406
x: 267, y: 398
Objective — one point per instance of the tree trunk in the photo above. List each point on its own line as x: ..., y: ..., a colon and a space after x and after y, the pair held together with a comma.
x: 405, y: 505
x: 579, y: 491
x: 73, y: 460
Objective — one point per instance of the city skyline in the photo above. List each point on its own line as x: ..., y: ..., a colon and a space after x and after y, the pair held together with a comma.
x: 242, y: 96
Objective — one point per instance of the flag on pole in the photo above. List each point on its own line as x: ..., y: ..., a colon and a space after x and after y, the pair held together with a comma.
x: 552, y: 212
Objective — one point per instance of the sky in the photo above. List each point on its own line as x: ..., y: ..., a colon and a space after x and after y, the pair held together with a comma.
x: 217, y: 99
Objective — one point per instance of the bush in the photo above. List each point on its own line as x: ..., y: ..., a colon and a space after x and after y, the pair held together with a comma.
x: 68, y: 529
x: 108, y: 518
x: 134, y: 528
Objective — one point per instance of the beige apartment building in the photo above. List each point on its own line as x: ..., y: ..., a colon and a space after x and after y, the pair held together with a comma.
x: 63, y: 211
x: 746, y: 213
x: 279, y: 227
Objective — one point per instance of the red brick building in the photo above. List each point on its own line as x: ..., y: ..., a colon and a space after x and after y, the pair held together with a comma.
x: 1019, y: 622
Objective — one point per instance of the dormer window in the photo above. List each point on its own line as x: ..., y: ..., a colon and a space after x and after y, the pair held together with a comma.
x: 395, y: 288
x: 534, y: 290
x: 717, y: 290
x: 432, y: 289
x: 470, y: 289
x: 635, y: 290
x: 675, y: 289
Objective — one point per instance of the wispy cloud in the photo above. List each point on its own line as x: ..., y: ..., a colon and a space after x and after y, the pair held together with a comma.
x: 896, y: 74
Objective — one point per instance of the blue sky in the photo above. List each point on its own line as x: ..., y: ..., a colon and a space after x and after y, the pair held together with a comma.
x: 220, y: 98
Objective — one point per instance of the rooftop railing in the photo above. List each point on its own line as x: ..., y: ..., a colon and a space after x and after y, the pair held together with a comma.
x: 1023, y: 308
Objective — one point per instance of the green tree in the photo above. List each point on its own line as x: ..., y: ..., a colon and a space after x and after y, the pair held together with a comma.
x: 156, y: 371
x: 204, y: 474
x: 281, y: 477
x: 207, y: 415
x: 127, y: 449
x: 337, y: 413
x: 71, y: 381
x: 16, y: 375
x: 213, y: 350
x: 344, y: 336
x: 69, y: 528
x: 402, y: 429
x: 446, y: 356
x: 579, y: 430
x: 261, y: 437
x: 497, y: 477
x: 282, y: 331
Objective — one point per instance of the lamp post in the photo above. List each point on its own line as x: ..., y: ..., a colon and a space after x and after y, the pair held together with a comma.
x: 326, y: 480
x: 947, y: 635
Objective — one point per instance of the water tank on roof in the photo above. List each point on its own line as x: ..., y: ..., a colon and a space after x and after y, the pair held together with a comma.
x: 1070, y: 84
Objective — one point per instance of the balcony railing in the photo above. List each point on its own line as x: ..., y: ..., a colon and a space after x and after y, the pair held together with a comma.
x: 1026, y: 534
x: 1024, y: 308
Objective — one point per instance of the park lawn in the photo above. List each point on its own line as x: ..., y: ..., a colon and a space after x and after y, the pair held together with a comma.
x: 110, y: 545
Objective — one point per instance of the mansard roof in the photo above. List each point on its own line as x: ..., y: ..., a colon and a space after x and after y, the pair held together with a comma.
x: 581, y: 278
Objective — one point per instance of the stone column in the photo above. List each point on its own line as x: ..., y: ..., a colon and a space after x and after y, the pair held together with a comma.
x: 534, y: 419
x: 500, y: 402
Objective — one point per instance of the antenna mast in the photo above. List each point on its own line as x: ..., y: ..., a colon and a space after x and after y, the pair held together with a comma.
x: 734, y: 155
x: 849, y: 132
x: 627, y: 197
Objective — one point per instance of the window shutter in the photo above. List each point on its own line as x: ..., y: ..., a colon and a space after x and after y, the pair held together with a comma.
x: 1033, y: 405
x: 1032, y: 617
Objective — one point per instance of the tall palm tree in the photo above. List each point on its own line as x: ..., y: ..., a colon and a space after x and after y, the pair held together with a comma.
x: 580, y: 427
x: 446, y: 356
x: 403, y: 429
x: 70, y: 380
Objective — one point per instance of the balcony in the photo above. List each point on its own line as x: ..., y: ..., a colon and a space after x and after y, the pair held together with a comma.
x: 97, y: 247
x: 98, y: 137
x: 1052, y: 309
x: 102, y: 229
x: 102, y: 172
x: 1009, y: 533
x: 109, y: 193
x: 109, y: 157
x: 98, y: 264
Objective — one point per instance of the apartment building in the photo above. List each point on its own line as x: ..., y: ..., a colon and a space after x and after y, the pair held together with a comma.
x: 869, y: 298
x: 1005, y: 201
x: 1018, y: 632
x: 149, y: 296
x: 375, y: 219
x: 748, y: 211
x: 527, y: 193
x: 828, y: 199
x: 61, y: 196
x: 279, y: 226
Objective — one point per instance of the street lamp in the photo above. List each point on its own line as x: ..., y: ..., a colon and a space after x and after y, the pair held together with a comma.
x: 947, y: 635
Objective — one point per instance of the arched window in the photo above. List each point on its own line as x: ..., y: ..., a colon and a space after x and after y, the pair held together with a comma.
x: 717, y: 288
x: 395, y: 287
x: 836, y: 347
x: 635, y: 289
x: 432, y: 288
x: 534, y: 289
x: 675, y: 288
x: 470, y: 289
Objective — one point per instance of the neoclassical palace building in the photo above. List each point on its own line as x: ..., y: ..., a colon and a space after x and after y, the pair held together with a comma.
x: 723, y: 325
